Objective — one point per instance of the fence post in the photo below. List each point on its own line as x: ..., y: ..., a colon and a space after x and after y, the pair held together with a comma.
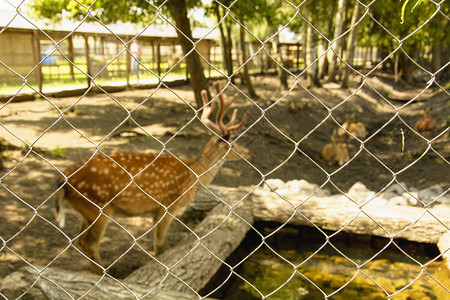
x: 71, y: 57
x: 88, y: 59
x: 37, y: 59
x: 209, y: 59
x: 158, y: 58
x: 128, y: 65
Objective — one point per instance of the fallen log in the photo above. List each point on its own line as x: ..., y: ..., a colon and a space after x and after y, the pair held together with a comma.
x: 176, y: 274
x: 58, y: 284
x: 191, y: 264
x: 338, y: 213
x: 444, y: 247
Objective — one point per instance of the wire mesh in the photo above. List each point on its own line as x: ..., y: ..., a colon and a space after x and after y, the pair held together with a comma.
x: 361, y: 171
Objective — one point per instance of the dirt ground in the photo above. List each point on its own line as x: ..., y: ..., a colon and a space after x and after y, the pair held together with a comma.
x: 285, y: 133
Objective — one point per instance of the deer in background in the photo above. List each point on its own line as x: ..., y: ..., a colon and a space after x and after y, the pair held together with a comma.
x: 134, y: 184
x: 427, y: 123
x: 335, y: 152
x: 357, y: 129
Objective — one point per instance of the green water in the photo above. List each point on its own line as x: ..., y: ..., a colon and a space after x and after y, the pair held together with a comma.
x: 295, y: 264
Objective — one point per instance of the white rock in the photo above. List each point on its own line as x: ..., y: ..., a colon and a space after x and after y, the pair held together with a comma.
x: 273, y: 184
x: 359, y: 192
x: 302, y: 187
x: 388, y: 195
x: 444, y: 200
x: 358, y: 187
x: 396, y: 189
x: 431, y: 193
x: 399, y: 200
x: 411, y: 198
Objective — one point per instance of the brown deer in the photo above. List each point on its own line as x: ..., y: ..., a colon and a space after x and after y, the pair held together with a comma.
x: 427, y: 123
x: 357, y: 129
x: 136, y: 184
x: 335, y: 152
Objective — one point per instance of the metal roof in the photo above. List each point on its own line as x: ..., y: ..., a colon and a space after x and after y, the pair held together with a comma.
x: 15, y: 20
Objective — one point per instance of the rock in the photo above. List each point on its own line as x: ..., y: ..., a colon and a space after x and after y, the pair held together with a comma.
x: 397, y: 189
x: 429, y: 194
x: 360, y: 193
x: 444, y: 200
x: 302, y: 187
x: 273, y: 184
x: 398, y: 200
x: 294, y: 187
x: 411, y: 199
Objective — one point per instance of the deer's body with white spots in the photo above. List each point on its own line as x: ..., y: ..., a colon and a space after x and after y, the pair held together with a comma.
x: 136, y: 184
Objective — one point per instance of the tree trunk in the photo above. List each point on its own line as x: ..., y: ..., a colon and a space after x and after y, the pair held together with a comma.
x: 351, y: 44
x: 337, y: 44
x: 278, y: 56
x: 77, y: 284
x: 311, y: 64
x: 436, y: 62
x: 245, y: 72
x: 226, y: 42
x: 406, y: 69
x: 193, y: 62
x: 396, y: 70
x: 323, y: 68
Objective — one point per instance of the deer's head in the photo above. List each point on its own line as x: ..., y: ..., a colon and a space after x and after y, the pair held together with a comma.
x: 222, y: 143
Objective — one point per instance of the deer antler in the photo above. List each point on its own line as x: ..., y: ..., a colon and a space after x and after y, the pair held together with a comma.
x: 224, y: 106
x: 219, y: 126
x: 207, y: 110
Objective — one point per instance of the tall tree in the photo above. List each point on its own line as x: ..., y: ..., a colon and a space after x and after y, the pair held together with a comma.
x: 225, y: 38
x: 425, y: 26
x: 245, y: 71
x: 195, y: 68
x: 351, y: 44
x: 237, y: 12
x: 310, y: 45
x: 337, y: 44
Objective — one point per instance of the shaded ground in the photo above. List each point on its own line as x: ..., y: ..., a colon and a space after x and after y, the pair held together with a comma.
x: 285, y: 134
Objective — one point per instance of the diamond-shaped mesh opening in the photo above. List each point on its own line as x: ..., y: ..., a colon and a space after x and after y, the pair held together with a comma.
x: 330, y: 181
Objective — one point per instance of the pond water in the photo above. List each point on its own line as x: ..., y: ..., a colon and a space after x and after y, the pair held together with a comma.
x: 299, y: 263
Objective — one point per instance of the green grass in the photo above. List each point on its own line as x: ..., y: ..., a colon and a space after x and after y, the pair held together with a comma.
x: 116, y: 73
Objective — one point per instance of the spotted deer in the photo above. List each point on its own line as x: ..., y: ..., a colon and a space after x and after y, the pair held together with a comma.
x: 133, y: 184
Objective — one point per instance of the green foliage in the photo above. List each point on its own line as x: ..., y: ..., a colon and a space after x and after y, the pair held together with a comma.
x: 380, y: 26
x: 78, y: 112
x: 134, y: 11
x: 104, y: 10
x: 423, y: 28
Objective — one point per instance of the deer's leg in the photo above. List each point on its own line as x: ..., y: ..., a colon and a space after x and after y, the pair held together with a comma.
x: 161, y: 229
x: 90, y: 240
x: 84, y: 225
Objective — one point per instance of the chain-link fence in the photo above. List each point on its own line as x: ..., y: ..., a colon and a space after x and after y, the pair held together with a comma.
x: 329, y: 180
